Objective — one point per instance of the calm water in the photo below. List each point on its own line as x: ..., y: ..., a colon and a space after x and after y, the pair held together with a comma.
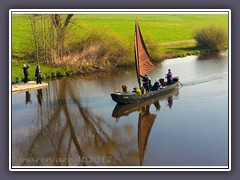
x: 75, y: 122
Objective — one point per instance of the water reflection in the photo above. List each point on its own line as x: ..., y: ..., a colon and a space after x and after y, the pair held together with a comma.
x: 157, y: 105
x: 72, y: 119
x: 28, y: 98
x: 39, y: 96
x: 170, y: 102
x: 216, y: 55
x: 145, y: 122
x: 70, y: 134
x: 145, y: 118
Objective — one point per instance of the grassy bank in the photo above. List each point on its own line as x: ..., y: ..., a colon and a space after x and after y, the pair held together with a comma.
x: 47, y: 71
x: 111, y: 37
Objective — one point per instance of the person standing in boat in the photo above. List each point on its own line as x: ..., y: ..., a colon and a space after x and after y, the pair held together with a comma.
x: 38, y: 75
x: 169, y: 77
x: 25, y: 72
x: 146, y: 82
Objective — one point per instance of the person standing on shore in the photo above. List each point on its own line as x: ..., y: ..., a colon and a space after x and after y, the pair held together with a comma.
x: 38, y: 75
x: 25, y: 72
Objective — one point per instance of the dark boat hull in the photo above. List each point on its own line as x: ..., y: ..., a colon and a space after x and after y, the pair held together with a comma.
x: 131, y: 97
x: 125, y: 109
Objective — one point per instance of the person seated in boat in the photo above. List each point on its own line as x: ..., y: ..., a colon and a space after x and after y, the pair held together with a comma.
x: 169, y: 77
x: 156, y: 85
x: 146, y: 82
x: 137, y: 91
x: 162, y: 83
x: 143, y: 90
x: 125, y: 88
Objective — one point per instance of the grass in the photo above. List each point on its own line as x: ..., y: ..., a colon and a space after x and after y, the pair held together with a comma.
x: 47, y: 71
x: 21, y: 36
x: 159, y: 28
x: 165, y: 35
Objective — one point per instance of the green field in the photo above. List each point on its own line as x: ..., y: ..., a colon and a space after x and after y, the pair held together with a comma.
x: 159, y: 28
x: 171, y: 34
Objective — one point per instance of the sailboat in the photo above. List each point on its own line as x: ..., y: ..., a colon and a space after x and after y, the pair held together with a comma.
x: 143, y: 65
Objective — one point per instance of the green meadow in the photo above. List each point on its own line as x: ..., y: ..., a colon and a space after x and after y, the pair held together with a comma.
x: 171, y: 34
x: 161, y: 28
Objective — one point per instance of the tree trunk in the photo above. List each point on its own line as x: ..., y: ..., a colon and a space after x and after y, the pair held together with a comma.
x: 61, y: 30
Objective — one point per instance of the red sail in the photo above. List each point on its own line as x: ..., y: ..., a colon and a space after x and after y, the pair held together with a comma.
x: 144, y: 62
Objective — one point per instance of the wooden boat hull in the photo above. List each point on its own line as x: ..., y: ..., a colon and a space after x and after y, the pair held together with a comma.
x: 131, y: 97
x: 125, y: 109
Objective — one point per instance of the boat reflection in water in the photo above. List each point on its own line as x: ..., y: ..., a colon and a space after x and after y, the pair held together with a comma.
x: 145, y: 119
x: 66, y: 132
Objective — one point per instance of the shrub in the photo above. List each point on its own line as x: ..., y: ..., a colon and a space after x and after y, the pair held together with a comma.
x: 60, y: 73
x: 214, y: 38
x: 154, y: 49
x: 99, y: 50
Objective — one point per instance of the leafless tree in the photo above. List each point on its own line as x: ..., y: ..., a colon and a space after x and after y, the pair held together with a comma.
x: 49, y: 34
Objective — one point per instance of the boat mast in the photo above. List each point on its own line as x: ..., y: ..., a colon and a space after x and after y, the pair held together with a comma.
x: 136, y: 54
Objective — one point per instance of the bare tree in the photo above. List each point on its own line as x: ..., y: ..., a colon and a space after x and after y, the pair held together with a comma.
x: 61, y: 31
x: 49, y: 34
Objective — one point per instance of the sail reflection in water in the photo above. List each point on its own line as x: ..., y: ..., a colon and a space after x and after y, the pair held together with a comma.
x: 145, y: 119
x: 72, y: 119
x: 65, y: 132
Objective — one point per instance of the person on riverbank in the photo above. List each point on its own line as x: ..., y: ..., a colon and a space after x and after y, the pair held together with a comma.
x: 25, y: 72
x: 169, y: 77
x: 38, y: 75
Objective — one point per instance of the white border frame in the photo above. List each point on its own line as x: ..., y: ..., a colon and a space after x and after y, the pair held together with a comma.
x: 120, y: 11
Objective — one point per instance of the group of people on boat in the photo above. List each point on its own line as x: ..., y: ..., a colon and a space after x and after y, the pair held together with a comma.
x: 147, y: 84
x: 158, y: 84
x: 37, y: 74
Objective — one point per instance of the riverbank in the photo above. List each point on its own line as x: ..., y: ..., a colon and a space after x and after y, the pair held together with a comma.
x: 170, y: 50
x: 48, y: 71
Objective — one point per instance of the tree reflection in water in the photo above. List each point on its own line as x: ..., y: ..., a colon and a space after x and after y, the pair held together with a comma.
x: 68, y: 134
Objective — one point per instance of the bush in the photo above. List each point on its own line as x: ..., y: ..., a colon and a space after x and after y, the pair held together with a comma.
x: 214, y: 38
x: 99, y: 50
x: 154, y: 49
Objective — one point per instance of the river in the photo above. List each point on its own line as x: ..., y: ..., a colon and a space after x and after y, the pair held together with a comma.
x: 74, y: 121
